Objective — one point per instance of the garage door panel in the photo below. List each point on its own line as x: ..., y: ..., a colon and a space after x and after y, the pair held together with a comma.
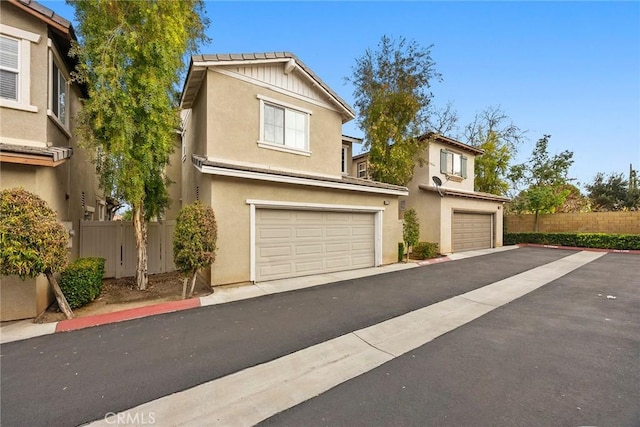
x: 315, y: 249
x: 296, y: 243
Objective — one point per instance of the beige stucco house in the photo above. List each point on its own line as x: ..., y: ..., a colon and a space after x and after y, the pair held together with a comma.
x: 263, y: 145
x: 450, y: 212
x: 38, y: 149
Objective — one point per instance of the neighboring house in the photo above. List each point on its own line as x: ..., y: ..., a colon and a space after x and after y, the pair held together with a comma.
x: 38, y: 148
x: 451, y: 214
x: 263, y: 145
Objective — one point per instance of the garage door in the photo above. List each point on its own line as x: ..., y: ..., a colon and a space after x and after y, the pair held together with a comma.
x: 292, y: 243
x: 472, y: 231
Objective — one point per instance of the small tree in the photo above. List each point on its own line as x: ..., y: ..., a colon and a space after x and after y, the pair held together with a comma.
x: 194, y: 241
x: 410, y: 229
x: 32, y: 240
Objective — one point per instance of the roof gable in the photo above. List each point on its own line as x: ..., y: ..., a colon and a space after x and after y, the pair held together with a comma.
x: 280, y: 71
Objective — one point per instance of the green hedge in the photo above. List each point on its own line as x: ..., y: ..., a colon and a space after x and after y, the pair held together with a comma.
x: 400, y: 251
x: 425, y: 250
x: 580, y: 240
x: 81, y: 281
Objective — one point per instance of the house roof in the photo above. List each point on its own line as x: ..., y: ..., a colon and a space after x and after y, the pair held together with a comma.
x: 450, y: 141
x: 199, y: 63
x: 345, y: 182
x: 38, y: 156
x: 466, y: 194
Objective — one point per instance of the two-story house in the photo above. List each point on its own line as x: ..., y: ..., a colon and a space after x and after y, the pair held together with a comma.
x: 38, y: 148
x: 442, y: 193
x: 263, y: 145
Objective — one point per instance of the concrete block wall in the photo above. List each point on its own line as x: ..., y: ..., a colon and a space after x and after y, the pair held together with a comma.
x: 592, y: 222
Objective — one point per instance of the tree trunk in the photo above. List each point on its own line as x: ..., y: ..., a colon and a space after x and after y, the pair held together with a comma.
x: 184, y: 287
x: 140, y: 232
x: 535, y: 222
x: 193, y: 283
x: 62, y: 301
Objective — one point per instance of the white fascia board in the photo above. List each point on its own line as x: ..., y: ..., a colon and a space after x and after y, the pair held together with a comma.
x: 223, y: 63
x: 260, y: 176
x: 274, y: 204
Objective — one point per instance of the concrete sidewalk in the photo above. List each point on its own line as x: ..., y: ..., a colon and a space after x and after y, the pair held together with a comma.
x: 24, y: 329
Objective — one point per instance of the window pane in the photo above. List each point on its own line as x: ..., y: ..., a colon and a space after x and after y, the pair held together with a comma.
x: 9, y: 53
x: 8, y: 85
x: 457, y: 170
x: 296, y: 129
x: 55, y: 81
x: 62, y: 98
x: 273, y: 124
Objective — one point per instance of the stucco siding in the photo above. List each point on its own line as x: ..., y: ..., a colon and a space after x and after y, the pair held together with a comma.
x: 234, y: 128
x: 229, y: 197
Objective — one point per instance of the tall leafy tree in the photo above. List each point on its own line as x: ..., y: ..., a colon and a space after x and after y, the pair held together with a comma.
x: 492, y: 131
x: 392, y: 98
x: 544, y: 178
x: 130, y: 60
x: 613, y: 192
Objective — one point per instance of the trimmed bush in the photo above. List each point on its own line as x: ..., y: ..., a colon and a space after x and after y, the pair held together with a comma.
x: 400, y: 251
x: 425, y: 250
x: 580, y: 240
x: 81, y: 281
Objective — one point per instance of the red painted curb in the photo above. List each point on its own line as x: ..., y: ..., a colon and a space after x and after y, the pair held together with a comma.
x: 129, y: 314
x: 575, y: 248
x: 434, y: 260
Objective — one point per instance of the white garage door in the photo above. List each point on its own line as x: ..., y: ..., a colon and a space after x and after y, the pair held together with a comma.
x: 472, y: 231
x: 292, y: 243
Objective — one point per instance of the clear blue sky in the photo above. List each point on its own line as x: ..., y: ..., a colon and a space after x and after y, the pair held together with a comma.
x: 568, y: 69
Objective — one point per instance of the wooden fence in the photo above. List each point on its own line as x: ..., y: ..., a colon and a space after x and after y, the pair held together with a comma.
x: 591, y: 222
x: 115, y: 242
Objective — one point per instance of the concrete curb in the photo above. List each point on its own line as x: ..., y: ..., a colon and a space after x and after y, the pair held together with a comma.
x: 575, y: 248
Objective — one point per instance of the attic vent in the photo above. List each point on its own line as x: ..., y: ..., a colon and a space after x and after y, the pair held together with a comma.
x: 84, y: 201
x: 197, y: 192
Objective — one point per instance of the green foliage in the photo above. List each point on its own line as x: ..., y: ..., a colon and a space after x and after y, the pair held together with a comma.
x: 614, y: 192
x: 425, y: 250
x: 545, y: 179
x: 32, y: 240
x: 580, y: 240
x: 410, y: 228
x: 391, y: 97
x: 81, y: 281
x: 400, y: 251
x: 194, y: 239
x: 493, y: 132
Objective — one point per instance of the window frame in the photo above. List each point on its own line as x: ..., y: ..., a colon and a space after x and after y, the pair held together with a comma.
x: 364, y: 171
x: 56, y: 60
x: 445, y: 156
x: 263, y: 143
x: 345, y: 160
x: 23, y: 89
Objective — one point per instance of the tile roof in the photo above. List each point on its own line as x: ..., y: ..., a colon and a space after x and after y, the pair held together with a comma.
x: 266, y: 56
x: 461, y: 193
x: 203, y: 161
x: 56, y: 153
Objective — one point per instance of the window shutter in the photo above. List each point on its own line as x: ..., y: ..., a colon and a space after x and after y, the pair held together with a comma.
x: 463, y: 166
x: 443, y: 161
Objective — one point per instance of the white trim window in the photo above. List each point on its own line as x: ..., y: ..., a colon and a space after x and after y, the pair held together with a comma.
x: 59, y: 80
x: 9, y: 68
x: 345, y: 158
x: 283, y: 127
x: 453, y: 164
x: 15, y: 68
x: 362, y: 170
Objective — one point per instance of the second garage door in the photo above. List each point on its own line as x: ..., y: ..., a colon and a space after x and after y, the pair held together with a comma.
x: 292, y: 243
x: 472, y: 231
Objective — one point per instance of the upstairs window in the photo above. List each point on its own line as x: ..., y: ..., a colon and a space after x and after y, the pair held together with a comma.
x: 453, y: 164
x: 9, y: 68
x: 362, y: 170
x: 15, y: 68
x: 59, y: 98
x: 345, y: 158
x: 283, y: 126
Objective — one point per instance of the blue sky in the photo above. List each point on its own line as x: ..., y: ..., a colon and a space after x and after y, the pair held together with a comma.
x: 568, y: 69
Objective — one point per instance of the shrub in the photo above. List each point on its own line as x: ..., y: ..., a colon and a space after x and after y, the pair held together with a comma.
x: 194, y: 241
x: 410, y: 229
x: 580, y: 240
x: 81, y: 281
x: 425, y: 250
x: 400, y: 251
